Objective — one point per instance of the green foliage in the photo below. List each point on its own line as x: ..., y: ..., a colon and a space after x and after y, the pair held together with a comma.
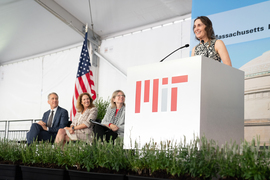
x: 254, y: 163
x: 10, y: 151
x: 228, y: 160
x: 102, y: 106
x: 200, y: 158
x: 156, y: 157
x: 97, y: 154
x: 38, y: 152
x: 110, y: 155
x: 74, y: 153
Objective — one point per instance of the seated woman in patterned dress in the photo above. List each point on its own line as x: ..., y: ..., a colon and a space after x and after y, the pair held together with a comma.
x: 209, y: 46
x: 81, y: 128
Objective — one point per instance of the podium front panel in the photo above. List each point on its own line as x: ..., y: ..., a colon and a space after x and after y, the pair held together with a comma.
x: 163, y: 101
x: 188, y: 97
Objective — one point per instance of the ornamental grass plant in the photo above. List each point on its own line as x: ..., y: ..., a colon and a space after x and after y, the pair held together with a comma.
x: 38, y: 153
x: 98, y: 154
x: 153, y: 157
x: 228, y: 158
x: 194, y: 159
x: 10, y: 151
x: 199, y: 158
x: 254, y: 161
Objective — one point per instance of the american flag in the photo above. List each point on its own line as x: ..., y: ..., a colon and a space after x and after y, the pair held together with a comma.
x: 84, y: 82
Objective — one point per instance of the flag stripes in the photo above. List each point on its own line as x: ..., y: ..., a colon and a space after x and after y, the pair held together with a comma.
x: 84, y: 82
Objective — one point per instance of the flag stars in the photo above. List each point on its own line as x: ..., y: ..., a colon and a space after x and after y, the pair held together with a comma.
x: 84, y: 61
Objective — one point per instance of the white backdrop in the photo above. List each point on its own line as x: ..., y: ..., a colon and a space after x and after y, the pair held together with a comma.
x: 24, y: 86
x: 139, y: 49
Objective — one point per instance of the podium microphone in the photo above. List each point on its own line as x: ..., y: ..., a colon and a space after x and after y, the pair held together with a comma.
x: 185, y: 46
x: 205, y: 48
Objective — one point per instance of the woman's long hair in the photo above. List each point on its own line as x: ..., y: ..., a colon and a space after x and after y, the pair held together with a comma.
x: 79, y: 105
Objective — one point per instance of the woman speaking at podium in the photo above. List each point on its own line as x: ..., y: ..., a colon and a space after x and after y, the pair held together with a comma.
x: 209, y: 46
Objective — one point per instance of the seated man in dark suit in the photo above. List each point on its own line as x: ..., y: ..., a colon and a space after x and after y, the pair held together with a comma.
x: 52, y: 121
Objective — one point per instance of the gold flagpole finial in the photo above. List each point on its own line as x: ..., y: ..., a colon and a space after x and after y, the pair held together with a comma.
x: 86, y: 28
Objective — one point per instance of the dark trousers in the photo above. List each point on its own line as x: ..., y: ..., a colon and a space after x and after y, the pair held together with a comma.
x: 38, y: 133
x: 101, y: 131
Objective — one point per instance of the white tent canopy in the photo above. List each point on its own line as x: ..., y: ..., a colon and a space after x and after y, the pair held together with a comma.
x: 29, y: 29
x: 40, y: 53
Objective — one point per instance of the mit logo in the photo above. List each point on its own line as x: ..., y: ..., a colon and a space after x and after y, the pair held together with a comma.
x: 164, y: 93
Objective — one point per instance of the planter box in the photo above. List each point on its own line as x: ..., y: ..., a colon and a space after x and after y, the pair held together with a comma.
x: 33, y: 173
x: 10, y: 172
x: 82, y: 175
x: 130, y: 177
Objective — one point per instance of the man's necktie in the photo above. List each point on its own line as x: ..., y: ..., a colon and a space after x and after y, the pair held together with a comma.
x: 49, y: 123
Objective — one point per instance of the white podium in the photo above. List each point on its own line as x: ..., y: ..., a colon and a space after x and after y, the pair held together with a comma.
x: 185, y: 97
